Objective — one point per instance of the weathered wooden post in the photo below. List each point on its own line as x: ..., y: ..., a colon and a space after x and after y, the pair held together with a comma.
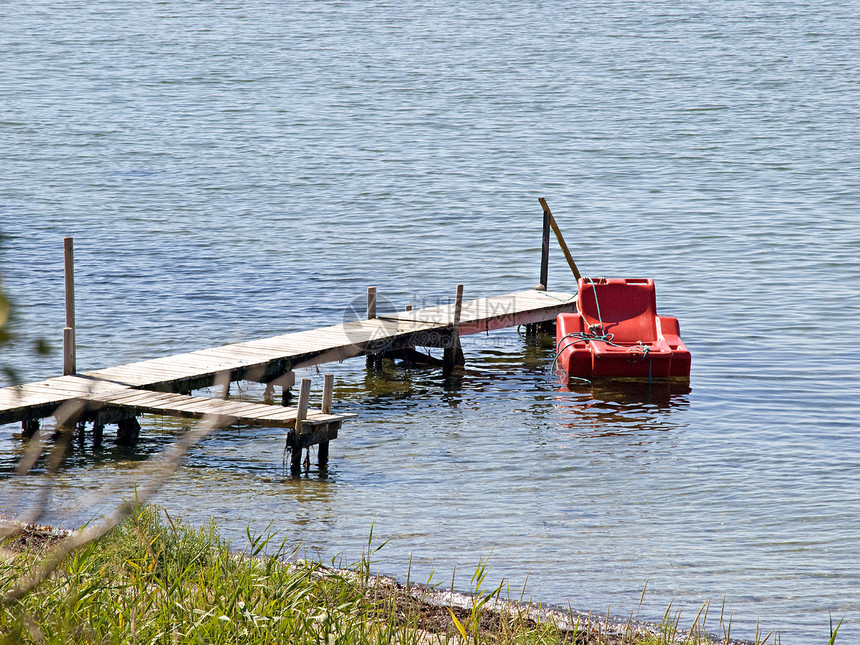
x: 373, y: 360
x: 458, y: 306
x: 69, y: 359
x: 301, y: 414
x: 29, y: 428
x: 371, y: 303
x: 328, y: 393
x: 287, y: 381
x: 544, y: 253
x: 453, y: 356
x: 127, y: 431
x: 532, y: 329
x: 549, y: 326
x: 560, y: 238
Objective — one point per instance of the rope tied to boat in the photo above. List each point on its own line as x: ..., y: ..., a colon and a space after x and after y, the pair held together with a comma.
x: 597, y: 332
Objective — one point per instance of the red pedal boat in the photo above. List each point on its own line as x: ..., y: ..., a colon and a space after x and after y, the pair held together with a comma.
x: 617, y: 333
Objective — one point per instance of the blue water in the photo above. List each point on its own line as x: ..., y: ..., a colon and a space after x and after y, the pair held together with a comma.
x: 233, y: 171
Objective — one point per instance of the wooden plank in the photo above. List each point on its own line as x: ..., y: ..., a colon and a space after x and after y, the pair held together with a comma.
x: 158, y: 366
x: 149, y: 399
x: 240, y: 408
x: 194, y: 404
x: 42, y: 390
x: 284, y: 414
x: 244, y: 355
x: 240, y: 411
x: 140, y: 376
x: 193, y: 360
x: 237, y: 408
x: 231, y: 356
x: 124, y: 398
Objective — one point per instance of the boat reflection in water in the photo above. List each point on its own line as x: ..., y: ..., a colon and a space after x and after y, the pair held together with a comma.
x: 659, y: 392
x: 611, y: 407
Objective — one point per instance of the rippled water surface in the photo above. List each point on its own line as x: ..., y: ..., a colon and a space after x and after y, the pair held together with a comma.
x: 234, y: 171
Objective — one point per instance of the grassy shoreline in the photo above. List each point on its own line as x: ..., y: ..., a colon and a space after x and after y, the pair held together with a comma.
x: 158, y: 579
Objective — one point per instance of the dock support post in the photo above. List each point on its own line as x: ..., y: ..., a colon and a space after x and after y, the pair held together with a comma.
x: 371, y: 303
x: 559, y: 238
x: 374, y: 361
x: 301, y: 413
x: 533, y: 328
x: 453, y: 355
x: 287, y: 381
x: 544, y: 254
x: 69, y: 359
x: 328, y: 393
x: 127, y: 431
x: 29, y: 428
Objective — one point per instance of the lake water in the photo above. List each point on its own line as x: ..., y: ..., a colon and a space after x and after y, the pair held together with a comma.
x: 232, y: 171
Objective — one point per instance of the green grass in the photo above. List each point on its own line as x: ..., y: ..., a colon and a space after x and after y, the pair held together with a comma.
x: 157, y: 579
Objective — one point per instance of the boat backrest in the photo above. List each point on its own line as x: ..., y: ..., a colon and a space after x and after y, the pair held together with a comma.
x: 626, y: 307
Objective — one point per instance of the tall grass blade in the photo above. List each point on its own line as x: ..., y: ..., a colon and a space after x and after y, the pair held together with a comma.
x: 834, y: 632
x: 458, y: 625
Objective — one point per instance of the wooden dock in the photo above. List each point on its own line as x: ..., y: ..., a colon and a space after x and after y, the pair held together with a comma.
x: 117, y: 395
x: 272, y: 360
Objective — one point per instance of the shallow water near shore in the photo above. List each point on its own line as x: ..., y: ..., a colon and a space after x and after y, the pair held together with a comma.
x: 235, y: 172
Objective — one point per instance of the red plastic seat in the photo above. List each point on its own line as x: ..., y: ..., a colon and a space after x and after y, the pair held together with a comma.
x: 617, y: 333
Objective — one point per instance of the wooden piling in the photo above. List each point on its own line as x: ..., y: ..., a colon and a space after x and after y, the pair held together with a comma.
x: 371, y: 303
x: 452, y: 356
x: 29, y: 427
x: 69, y: 358
x: 127, y: 431
x: 301, y: 414
x: 287, y: 381
x: 560, y: 238
x: 69, y: 257
x: 328, y: 394
x: 544, y: 254
x: 374, y: 361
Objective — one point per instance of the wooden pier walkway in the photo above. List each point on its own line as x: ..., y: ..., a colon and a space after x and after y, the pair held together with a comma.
x: 269, y: 360
x: 163, y: 385
x: 108, y: 395
x: 117, y: 395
